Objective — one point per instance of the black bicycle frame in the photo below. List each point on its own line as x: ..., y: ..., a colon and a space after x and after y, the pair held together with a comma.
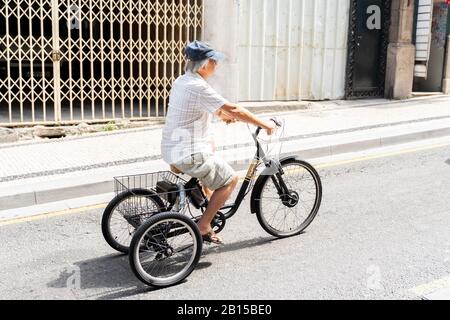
x: 259, y: 157
x: 277, y: 179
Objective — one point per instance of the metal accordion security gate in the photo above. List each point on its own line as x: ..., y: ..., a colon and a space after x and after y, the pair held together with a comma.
x: 70, y: 61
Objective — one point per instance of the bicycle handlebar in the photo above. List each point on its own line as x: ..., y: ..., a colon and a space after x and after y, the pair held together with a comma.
x: 275, y: 120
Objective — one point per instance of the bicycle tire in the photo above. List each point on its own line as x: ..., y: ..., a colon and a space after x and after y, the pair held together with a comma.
x: 259, y: 187
x: 114, y: 203
x: 139, y: 236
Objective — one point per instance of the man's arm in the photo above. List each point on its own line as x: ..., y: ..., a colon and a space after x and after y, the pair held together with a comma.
x: 222, y: 115
x: 239, y: 113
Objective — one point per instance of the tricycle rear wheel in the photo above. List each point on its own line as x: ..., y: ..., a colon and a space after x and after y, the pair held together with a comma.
x: 125, y: 213
x: 165, y: 249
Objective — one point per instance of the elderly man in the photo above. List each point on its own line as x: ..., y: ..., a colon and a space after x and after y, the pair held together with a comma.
x: 186, y: 140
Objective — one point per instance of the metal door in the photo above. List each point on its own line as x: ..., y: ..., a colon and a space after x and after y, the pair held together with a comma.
x: 68, y: 61
x: 368, y: 40
x: 431, y: 45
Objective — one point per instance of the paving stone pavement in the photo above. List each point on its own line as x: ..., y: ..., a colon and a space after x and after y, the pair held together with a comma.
x: 21, y: 159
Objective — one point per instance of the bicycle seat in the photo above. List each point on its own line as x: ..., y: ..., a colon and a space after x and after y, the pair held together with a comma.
x: 175, y: 170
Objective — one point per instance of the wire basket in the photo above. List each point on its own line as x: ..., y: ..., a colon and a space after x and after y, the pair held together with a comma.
x: 141, y: 196
x: 273, y: 145
x: 144, y: 181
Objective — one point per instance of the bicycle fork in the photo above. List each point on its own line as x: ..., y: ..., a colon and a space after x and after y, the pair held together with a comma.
x: 287, y: 196
x: 280, y: 185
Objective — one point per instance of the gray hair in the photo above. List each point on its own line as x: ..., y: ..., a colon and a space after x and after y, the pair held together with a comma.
x: 194, y: 66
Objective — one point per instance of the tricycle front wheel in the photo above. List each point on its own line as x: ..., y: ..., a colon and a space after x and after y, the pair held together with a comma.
x: 289, y: 213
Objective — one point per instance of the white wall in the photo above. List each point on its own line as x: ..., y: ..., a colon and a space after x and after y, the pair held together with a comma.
x: 220, y: 29
x: 279, y: 49
x: 292, y: 49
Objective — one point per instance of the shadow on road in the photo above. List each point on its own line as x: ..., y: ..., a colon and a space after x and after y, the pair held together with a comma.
x: 108, y: 272
x: 448, y: 162
x: 245, y: 244
x: 110, y: 277
x: 126, y: 293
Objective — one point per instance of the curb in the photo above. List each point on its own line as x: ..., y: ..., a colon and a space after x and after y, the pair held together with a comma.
x: 39, y: 197
x: 287, y: 106
x: 266, y: 108
x: 223, y: 148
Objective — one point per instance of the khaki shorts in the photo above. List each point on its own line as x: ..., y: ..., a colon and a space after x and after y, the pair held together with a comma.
x: 212, y: 171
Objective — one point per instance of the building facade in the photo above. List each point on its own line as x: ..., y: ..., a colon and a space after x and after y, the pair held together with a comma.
x: 330, y: 49
x: 70, y: 61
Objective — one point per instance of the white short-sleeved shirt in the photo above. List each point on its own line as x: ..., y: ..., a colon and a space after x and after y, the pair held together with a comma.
x: 192, y: 103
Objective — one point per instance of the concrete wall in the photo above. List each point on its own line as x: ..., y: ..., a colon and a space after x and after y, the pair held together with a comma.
x: 401, y: 51
x: 220, y: 29
x: 292, y: 49
x: 222, y: 26
x: 279, y: 49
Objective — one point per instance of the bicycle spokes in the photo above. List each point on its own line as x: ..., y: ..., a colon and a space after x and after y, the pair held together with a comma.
x: 287, y: 203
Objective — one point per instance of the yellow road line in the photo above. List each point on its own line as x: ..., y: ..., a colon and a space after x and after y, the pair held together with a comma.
x: 51, y: 214
x: 382, y: 155
x: 321, y: 166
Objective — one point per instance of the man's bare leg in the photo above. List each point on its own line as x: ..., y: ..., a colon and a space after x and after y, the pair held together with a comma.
x: 208, y: 192
x: 216, y: 202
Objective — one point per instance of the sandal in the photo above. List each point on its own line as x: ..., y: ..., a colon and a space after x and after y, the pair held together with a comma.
x: 212, y: 238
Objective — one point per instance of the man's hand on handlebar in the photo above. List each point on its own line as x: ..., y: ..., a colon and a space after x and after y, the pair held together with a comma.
x: 270, y: 128
x: 239, y: 113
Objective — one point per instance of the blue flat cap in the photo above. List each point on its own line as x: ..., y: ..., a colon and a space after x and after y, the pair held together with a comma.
x: 197, y: 51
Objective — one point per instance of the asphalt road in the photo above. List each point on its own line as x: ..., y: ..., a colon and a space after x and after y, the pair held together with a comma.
x: 382, y: 230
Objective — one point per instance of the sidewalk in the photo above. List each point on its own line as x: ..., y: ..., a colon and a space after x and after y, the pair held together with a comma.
x: 42, y: 172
